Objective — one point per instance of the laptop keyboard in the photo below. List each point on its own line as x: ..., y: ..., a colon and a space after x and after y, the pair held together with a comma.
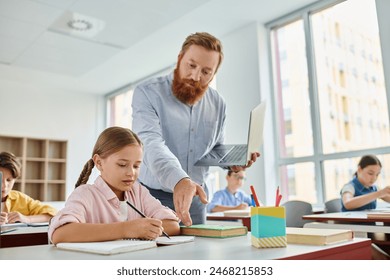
x: 234, y: 154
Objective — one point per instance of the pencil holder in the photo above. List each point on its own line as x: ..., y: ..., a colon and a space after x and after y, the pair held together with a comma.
x: 268, y: 227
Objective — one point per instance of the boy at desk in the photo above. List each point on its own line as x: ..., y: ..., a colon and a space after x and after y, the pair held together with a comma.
x: 100, y: 211
x: 18, y: 207
x: 231, y: 198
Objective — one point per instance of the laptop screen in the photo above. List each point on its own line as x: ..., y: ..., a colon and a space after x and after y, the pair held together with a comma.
x: 256, y: 127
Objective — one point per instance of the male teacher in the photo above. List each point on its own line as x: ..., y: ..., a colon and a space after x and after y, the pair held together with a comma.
x: 179, y: 118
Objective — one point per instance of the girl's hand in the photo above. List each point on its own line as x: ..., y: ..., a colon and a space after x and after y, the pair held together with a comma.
x: 383, y: 193
x: 144, y: 228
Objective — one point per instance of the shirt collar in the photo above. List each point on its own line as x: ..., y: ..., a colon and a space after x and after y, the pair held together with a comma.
x: 13, y: 195
x: 360, y: 185
x: 105, y: 189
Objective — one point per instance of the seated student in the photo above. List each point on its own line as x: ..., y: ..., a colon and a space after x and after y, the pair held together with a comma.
x: 17, y: 206
x: 230, y: 198
x: 361, y: 192
x: 98, y: 211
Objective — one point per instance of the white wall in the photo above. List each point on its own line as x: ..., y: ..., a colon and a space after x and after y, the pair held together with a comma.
x: 238, y: 82
x: 46, y: 113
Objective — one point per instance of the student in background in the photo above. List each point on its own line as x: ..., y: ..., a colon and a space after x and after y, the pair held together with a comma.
x: 17, y: 206
x: 98, y: 211
x: 361, y: 192
x: 231, y: 198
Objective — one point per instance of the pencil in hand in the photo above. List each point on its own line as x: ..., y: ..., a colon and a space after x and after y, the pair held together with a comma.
x: 144, y: 216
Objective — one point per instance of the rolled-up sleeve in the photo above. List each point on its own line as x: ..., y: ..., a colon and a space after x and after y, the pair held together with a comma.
x: 73, y: 212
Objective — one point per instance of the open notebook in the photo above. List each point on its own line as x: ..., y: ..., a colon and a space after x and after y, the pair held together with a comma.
x: 123, y: 245
x: 109, y: 247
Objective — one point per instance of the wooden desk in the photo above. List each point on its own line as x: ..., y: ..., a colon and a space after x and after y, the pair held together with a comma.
x: 235, y: 248
x: 346, y: 217
x: 24, y: 236
x: 246, y: 220
x: 356, y: 221
x: 219, y: 216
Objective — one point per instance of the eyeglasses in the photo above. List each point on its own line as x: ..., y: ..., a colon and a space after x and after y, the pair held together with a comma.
x: 238, y: 177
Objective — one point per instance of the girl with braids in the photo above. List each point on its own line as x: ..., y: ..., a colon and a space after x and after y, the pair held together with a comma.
x: 98, y: 211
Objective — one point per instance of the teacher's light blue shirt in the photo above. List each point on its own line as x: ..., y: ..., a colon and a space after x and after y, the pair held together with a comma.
x: 174, y: 134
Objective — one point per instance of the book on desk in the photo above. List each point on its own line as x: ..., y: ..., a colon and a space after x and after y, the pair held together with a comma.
x: 14, y: 226
x: 237, y: 213
x: 378, y: 214
x: 316, y: 236
x: 215, y: 231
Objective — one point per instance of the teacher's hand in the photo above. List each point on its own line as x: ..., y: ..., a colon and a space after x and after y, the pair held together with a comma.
x: 253, y: 159
x: 183, y: 194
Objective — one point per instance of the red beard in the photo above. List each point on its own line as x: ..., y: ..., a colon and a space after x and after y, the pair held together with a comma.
x: 186, y: 90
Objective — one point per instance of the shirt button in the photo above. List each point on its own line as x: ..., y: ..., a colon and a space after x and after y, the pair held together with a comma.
x: 191, y: 151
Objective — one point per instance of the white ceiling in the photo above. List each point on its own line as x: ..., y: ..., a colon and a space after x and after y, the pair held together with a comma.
x: 129, y: 39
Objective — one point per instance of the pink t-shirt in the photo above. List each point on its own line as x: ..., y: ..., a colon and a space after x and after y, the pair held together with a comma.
x: 97, y: 203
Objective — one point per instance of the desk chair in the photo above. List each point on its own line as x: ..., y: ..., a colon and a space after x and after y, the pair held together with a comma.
x: 295, y: 209
x: 333, y: 205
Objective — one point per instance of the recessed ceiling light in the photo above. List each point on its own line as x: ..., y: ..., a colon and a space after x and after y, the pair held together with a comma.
x: 76, y: 24
x: 80, y: 24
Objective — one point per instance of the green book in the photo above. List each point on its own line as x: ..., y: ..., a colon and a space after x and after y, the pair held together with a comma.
x: 215, y: 231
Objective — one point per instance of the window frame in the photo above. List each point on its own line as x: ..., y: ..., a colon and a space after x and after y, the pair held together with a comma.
x: 318, y: 156
x: 131, y: 86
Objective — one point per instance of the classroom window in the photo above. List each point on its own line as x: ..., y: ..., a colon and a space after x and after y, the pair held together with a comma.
x: 293, y: 97
x: 336, y: 113
x: 119, y: 111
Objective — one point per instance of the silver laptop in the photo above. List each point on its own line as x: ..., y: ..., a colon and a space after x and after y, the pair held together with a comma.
x: 230, y: 155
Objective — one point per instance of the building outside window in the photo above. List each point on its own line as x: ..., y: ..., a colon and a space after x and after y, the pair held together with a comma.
x: 330, y: 99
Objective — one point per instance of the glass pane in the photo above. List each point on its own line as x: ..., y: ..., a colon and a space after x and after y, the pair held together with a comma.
x: 340, y: 171
x: 119, y: 110
x: 298, y: 182
x: 351, y: 87
x: 291, y: 88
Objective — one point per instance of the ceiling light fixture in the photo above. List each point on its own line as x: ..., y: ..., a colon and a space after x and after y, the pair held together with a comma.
x: 79, y: 24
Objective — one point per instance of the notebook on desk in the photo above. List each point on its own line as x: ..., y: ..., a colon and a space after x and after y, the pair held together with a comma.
x: 231, y: 155
x: 109, y: 247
